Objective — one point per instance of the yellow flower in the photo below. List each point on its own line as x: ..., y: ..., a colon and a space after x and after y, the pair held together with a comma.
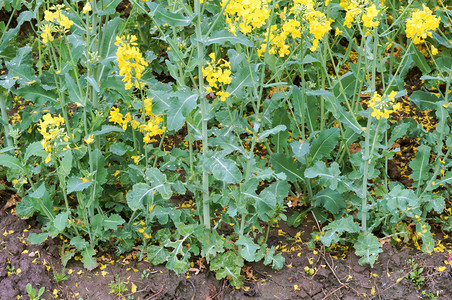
x: 223, y: 95
x: 421, y: 24
x: 89, y: 140
x: 135, y: 159
x: 86, y: 8
x: 434, y: 50
x: 371, y: 13
x: 130, y: 60
x: 46, y: 34
x: 383, y: 107
x: 115, y: 116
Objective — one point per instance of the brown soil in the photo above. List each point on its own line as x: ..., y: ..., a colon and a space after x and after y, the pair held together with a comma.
x: 337, y: 274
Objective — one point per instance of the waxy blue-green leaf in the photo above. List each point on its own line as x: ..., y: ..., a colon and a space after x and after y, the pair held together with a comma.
x: 277, y: 261
x: 106, y: 7
x: 39, y: 192
x: 35, y: 149
x: 420, y: 60
x: 274, y: 130
x: 75, y: 184
x: 420, y: 164
x: 112, y: 222
x: 300, y: 149
x: 37, y: 94
x: 220, y: 37
x: 74, y: 92
x: 225, y: 170
x: 228, y: 265
x: 25, y: 208
x: 424, y: 100
x: 61, y: 221
x: 367, y: 247
x: 324, y: 143
x: 79, y: 243
x: 283, y: 163
x: 107, y: 129
x: 331, y: 200
x: 107, y: 47
x: 66, y: 163
x: 327, y: 175
x: 137, y: 195
x: 157, y: 254
x: 248, y: 248
x: 89, y: 262
x: 163, y: 16
x: 37, y: 238
x: 243, y: 79
x: 180, y: 106
x: 336, y: 228
x: 7, y: 36
x: 11, y: 162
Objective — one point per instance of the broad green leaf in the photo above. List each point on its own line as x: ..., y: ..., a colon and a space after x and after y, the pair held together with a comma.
x: 180, y: 107
x: 274, y: 130
x: 163, y: 16
x: 34, y: 149
x: 39, y: 192
x: 137, y: 195
x: 277, y: 261
x: 107, y: 129
x: 25, y: 208
x: 20, y: 67
x: 349, y: 119
x: 37, y: 94
x: 119, y: 149
x: 367, y: 247
x: 420, y: 164
x: 344, y: 87
x: 247, y: 248
x: 112, y: 222
x: 435, y: 202
x: 424, y: 230
x: 79, y: 243
x: 10, y: 162
x: 89, y: 262
x: 76, y: 184
x: 324, y: 143
x: 37, y: 238
x: 327, y: 175
x: 220, y: 37
x: 331, y: 200
x: 106, y: 7
x: 420, y: 61
x: 107, y: 46
x: 157, y: 254
x: 300, y: 149
x: 177, y: 265
x: 9, y: 35
x: 424, y: 100
x: 74, y: 92
x: 225, y: 170
x: 66, y: 163
x: 61, y: 221
x: 337, y: 228
x: 239, y: 82
x: 228, y: 265
x: 159, y: 182
x: 282, y: 163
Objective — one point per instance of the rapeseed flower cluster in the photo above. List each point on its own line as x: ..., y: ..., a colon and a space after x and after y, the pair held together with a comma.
x: 217, y: 74
x: 52, y: 133
x: 421, y: 24
x: 299, y: 18
x: 361, y: 11
x: 56, y: 21
x: 383, y: 106
x: 130, y: 60
x: 246, y: 15
x: 148, y: 126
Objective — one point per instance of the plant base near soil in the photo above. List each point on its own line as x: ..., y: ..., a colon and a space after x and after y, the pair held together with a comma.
x: 336, y: 274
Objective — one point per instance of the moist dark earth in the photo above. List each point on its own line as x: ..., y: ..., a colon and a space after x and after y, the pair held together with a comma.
x: 336, y: 273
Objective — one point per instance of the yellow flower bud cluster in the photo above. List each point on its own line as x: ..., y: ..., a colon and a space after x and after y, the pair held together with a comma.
x: 130, y: 60
x: 421, y: 24
x: 56, y: 21
x: 148, y: 126
x: 246, y: 15
x: 52, y: 133
x: 217, y: 74
x: 361, y: 11
x: 383, y: 106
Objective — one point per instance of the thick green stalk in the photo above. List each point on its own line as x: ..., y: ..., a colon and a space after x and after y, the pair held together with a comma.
x: 205, y: 142
x: 9, y: 142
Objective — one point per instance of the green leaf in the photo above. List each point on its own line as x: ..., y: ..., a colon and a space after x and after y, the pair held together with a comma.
x: 113, y: 221
x: 35, y: 149
x: 331, y: 200
x: 180, y: 107
x: 323, y: 144
x: 89, y: 262
x: 107, y: 129
x: 20, y: 67
x: 73, y: 90
x: 420, y: 164
x: 37, y: 94
x: 39, y: 192
x: 300, y: 149
x: 37, y: 238
x: 10, y: 162
x: 420, y: 61
x: 225, y: 170
x: 177, y: 265
x: 277, y: 261
x: 25, y: 208
x: 274, y: 130
x: 247, y: 248
x: 75, y: 184
x: 106, y: 7
x: 119, y: 149
x: 163, y: 16
x: 337, y: 228
x: 157, y: 254
x: 239, y: 82
x: 107, y: 46
x: 228, y: 264
x: 327, y: 175
x: 61, y: 221
x: 66, y: 163
x: 282, y: 163
x: 223, y: 36
x: 367, y: 247
x: 424, y: 100
x: 435, y: 202
x: 139, y: 192
x: 159, y: 182
x: 79, y: 243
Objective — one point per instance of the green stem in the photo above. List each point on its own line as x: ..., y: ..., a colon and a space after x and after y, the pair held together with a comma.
x: 9, y: 142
